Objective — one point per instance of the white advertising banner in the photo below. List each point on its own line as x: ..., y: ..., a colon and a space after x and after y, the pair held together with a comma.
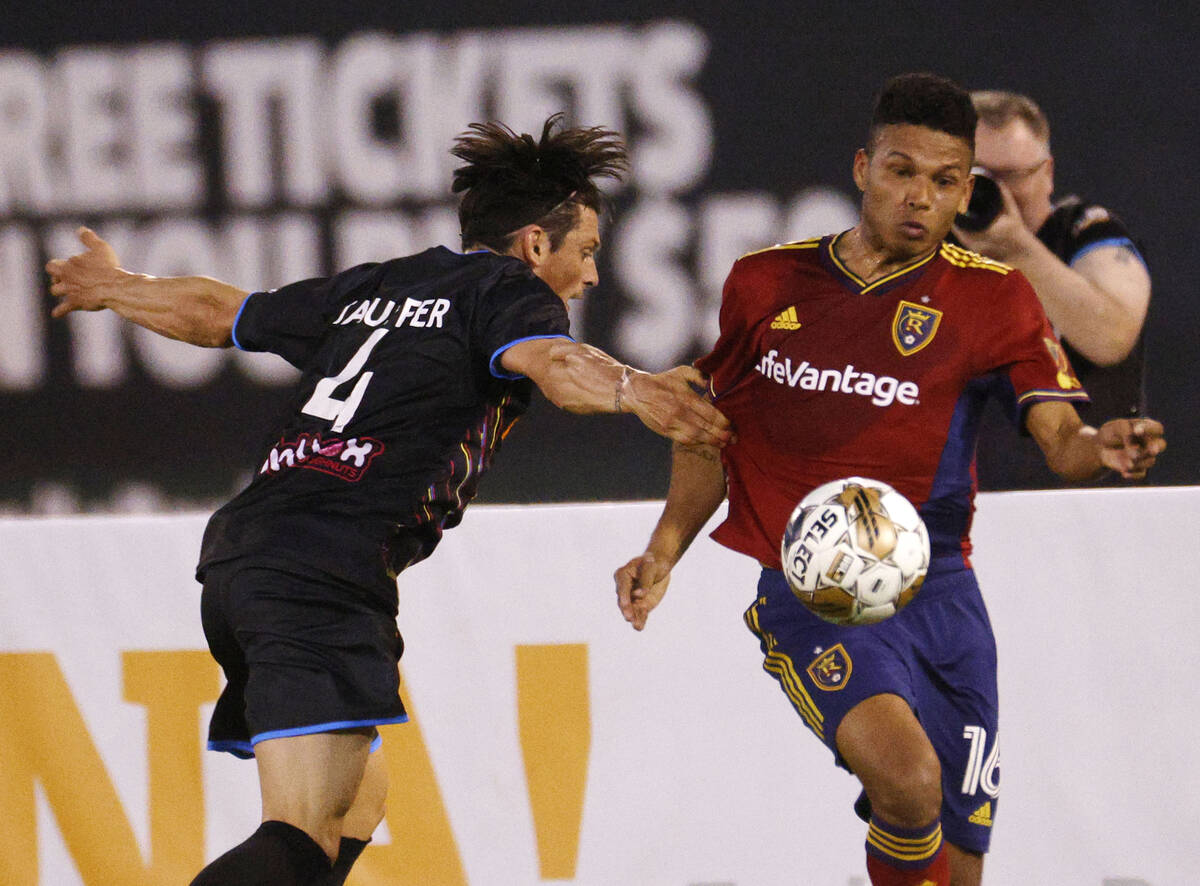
x: 549, y: 742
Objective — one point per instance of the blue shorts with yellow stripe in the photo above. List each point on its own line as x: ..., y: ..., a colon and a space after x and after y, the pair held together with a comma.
x: 938, y: 654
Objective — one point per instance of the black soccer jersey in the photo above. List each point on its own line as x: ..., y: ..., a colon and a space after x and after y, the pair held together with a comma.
x: 401, y: 407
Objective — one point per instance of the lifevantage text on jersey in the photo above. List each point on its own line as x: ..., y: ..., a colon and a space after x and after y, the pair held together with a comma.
x: 884, y: 390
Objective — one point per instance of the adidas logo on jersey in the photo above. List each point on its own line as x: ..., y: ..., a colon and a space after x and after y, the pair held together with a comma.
x: 982, y: 815
x: 786, y: 320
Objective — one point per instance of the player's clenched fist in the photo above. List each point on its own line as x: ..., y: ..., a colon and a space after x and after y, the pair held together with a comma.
x: 1130, y: 446
x: 641, y: 585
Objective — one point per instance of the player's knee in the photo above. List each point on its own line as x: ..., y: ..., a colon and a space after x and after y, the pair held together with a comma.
x: 908, y: 795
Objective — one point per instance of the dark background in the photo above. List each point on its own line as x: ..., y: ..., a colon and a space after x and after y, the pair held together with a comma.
x: 789, y: 87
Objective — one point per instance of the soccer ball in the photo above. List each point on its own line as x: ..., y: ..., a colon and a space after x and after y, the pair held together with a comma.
x: 855, y: 551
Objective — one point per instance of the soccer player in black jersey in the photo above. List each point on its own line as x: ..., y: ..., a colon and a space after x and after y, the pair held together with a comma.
x: 413, y: 370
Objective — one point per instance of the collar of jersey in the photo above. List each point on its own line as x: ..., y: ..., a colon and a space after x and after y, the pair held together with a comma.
x: 856, y: 283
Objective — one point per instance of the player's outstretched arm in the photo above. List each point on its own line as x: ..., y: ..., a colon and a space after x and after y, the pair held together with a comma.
x: 697, y: 489
x: 196, y: 310
x: 580, y: 378
x: 1076, y: 451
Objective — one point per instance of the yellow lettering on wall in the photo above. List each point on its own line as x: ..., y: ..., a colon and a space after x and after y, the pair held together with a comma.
x: 172, y: 686
x: 45, y: 740
x: 422, y: 849
x: 554, y: 716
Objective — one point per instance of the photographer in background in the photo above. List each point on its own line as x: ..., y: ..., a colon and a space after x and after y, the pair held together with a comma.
x: 1089, y: 276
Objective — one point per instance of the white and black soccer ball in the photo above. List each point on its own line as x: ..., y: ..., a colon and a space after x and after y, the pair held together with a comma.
x: 855, y: 551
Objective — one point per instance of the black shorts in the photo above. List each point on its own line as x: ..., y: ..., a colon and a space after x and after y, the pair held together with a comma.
x: 300, y: 654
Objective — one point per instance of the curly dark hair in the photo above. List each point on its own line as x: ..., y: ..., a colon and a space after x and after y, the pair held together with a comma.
x: 509, y: 180
x: 924, y: 100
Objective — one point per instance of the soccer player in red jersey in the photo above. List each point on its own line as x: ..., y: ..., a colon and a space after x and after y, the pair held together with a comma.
x: 871, y: 352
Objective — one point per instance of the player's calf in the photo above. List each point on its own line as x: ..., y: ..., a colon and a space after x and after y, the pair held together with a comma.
x: 906, y: 856
x: 277, y: 854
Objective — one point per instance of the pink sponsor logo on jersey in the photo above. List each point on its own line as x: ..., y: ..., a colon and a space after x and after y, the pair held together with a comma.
x: 348, y: 459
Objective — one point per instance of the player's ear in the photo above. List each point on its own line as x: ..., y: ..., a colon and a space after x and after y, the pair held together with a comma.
x: 965, y: 201
x: 861, y: 161
x: 531, y: 245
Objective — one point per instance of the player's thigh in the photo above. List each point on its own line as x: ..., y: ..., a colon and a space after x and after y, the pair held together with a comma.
x: 228, y: 730
x: 882, y: 742
x: 958, y: 706
x: 370, y: 802
x: 215, y: 620
x: 312, y: 777
x: 319, y: 656
x: 825, y: 670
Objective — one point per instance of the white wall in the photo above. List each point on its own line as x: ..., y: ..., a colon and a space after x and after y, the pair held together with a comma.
x: 697, y: 771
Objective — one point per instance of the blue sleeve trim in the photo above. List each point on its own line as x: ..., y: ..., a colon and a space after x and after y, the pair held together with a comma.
x: 1110, y: 241
x: 493, y: 363
x: 233, y: 331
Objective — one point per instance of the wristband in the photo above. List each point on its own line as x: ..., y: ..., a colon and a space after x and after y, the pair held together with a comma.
x: 625, y: 373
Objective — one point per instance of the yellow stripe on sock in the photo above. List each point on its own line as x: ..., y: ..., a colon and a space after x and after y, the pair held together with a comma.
x: 905, y: 848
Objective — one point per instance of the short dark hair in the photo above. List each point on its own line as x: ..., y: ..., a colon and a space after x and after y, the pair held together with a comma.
x: 997, y: 108
x: 510, y: 181
x: 924, y: 100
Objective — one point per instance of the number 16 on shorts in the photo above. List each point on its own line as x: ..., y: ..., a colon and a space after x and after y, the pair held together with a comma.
x: 983, y: 768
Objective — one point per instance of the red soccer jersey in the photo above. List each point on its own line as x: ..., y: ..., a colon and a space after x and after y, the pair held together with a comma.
x: 825, y: 376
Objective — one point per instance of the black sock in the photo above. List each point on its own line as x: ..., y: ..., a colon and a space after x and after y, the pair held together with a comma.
x: 277, y: 854
x: 348, y: 853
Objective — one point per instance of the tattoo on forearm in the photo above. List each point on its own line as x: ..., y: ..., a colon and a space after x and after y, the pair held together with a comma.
x: 709, y: 455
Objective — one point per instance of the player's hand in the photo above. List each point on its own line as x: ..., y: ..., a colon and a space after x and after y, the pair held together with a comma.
x: 1006, y: 238
x: 1130, y: 446
x: 80, y: 281
x: 668, y: 404
x: 641, y: 585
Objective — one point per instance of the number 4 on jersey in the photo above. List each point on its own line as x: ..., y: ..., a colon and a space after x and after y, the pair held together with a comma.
x: 323, y: 404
